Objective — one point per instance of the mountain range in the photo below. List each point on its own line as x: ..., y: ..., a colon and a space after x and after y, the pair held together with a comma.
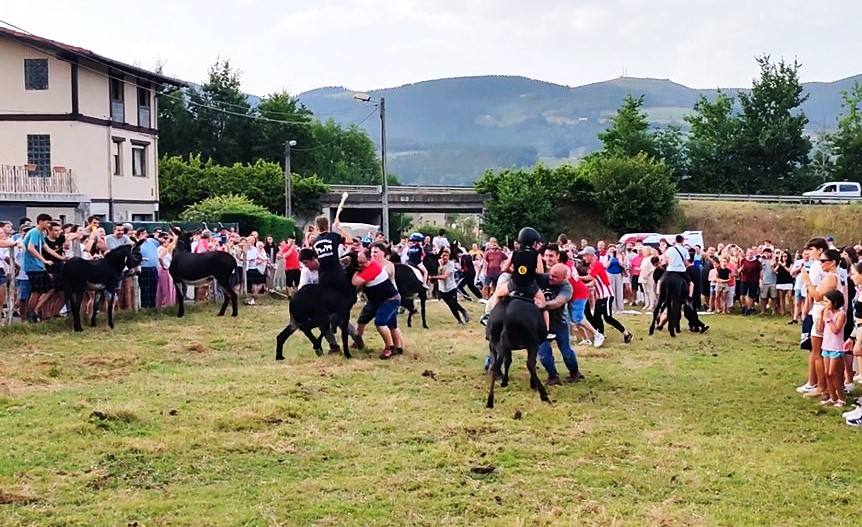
x: 448, y: 131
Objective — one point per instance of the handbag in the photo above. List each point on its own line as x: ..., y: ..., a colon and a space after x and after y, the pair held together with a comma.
x: 805, y: 337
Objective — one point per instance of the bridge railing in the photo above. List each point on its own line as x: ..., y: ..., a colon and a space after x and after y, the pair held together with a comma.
x: 377, y: 189
x: 767, y: 198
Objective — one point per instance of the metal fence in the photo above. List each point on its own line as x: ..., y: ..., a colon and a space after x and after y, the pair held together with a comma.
x: 767, y: 198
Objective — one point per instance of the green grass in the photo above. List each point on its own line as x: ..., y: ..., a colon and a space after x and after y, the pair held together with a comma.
x: 192, y: 422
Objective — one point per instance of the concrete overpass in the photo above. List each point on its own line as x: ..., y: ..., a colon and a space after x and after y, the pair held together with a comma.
x: 365, y: 201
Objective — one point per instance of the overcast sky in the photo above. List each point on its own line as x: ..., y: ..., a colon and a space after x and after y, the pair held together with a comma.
x: 366, y: 44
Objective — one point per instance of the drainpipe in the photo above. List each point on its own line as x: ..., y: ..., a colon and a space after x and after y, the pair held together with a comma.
x: 110, y: 133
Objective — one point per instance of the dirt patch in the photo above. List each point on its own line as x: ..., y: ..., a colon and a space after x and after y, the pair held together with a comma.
x: 13, y: 498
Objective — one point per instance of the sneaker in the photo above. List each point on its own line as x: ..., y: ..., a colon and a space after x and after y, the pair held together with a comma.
x: 554, y: 381
x: 627, y: 338
x: 484, y: 320
x: 386, y: 353
x: 598, y: 340
x: 853, y: 414
x: 551, y: 336
x: 839, y: 403
x: 827, y: 402
x: 704, y: 329
x: 466, y: 317
x: 805, y: 388
x: 585, y: 342
x: 813, y: 394
x: 483, y: 300
x: 576, y: 377
x: 792, y: 322
x: 854, y: 422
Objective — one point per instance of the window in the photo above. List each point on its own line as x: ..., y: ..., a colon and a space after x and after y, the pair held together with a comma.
x: 117, y: 156
x: 39, y: 154
x: 829, y: 188
x: 139, y: 160
x: 142, y: 217
x: 143, y: 107
x: 848, y: 188
x: 35, y: 74
x: 118, y: 112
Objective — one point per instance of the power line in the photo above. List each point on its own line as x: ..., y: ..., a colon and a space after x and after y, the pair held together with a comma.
x: 170, y: 95
x: 323, y: 145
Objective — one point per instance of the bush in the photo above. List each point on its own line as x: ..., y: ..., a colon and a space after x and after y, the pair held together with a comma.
x: 241, y: 210
x: 634, y: 194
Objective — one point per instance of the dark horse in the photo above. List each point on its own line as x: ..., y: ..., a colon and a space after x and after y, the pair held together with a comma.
x: 672, y: 294
x: 410, y: 287
x: 318, y: 307
x: 102, y: 275
x: 189, y: 269
x: 515, y: 323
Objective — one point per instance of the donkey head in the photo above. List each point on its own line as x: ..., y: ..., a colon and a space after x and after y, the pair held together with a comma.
x: 134, y: 259
x: 184, y: 239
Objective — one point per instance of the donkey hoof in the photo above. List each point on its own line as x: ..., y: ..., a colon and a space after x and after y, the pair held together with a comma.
x: 279, y: 356
x: 318, y: 351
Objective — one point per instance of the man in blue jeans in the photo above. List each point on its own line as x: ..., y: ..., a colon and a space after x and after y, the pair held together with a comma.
x: 558, y: 293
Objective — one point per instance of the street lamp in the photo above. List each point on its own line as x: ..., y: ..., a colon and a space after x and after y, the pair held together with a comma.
x: 288, y: 209
x: 381, y: 106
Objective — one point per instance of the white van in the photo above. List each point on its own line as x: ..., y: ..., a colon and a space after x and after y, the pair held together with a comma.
x: 690, y: 239
x: 835, y: 191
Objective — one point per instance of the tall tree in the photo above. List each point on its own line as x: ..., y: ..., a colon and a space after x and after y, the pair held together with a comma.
x: 713, y: 164
x: 671, y: 148
x: 771, y: 142
x: 846, y: 142
x: 223, y: 132
x: 295, y: 124
x: 629, y: 133
x: 341, y: 155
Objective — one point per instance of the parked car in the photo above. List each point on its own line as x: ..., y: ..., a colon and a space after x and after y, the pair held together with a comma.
x: 835, y: 191
x: 636, y: 237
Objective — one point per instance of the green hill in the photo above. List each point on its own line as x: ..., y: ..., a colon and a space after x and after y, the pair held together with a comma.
x: 448, y: 131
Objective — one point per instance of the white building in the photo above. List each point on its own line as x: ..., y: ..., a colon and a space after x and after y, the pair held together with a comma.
x: 78, y: 132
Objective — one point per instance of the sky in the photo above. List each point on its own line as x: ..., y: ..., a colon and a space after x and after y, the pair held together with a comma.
x: 366, y: 44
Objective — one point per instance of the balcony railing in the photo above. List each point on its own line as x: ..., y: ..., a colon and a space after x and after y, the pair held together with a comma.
x: 22, y: 179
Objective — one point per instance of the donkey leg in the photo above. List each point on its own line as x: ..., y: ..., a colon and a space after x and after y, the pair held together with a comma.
x: 507, y: 364
x: 112, y: 295
x: 492, y: 372
x: 97, y: 301
x: 75, y: 299
x: 225, y: 301
x: 409, y: 305
x: 532, y: 353
x: 181, y: 298
x: 423, y: 297
x: 281, y: 338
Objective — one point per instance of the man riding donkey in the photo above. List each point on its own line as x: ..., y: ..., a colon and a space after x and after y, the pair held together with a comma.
x: 525, y: 267
x: 330, y: 272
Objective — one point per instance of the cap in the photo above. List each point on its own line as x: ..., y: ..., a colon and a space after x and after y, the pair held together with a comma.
x: 588, y: 250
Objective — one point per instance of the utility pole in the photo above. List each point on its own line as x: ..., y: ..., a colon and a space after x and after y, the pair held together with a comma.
x: 288, y: 209
x: 383, y: 167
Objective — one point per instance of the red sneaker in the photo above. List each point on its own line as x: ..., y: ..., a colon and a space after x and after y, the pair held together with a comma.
x: 386, y: 353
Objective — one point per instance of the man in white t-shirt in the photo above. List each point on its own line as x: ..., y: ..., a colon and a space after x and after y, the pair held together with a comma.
x: 308, y: 267
x: 440, y: 242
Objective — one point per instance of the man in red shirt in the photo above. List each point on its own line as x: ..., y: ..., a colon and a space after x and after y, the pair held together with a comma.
x: 290, y: 253
x: 602, y: 312
x: 383, y: 297
x: 749, y: 276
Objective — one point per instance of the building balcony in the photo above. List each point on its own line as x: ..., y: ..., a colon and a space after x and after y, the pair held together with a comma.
x: 20, y: 183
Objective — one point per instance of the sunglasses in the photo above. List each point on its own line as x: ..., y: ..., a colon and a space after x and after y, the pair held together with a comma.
x: 824, y: 260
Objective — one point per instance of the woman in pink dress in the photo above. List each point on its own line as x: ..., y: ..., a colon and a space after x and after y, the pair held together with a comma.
x: 166, y: 294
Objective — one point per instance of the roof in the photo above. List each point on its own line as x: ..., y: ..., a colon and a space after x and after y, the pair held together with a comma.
x: 73, y: 53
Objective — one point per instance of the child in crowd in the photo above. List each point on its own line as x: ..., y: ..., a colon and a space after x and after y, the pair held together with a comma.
x: 831, y: 324
x: 722, y: 286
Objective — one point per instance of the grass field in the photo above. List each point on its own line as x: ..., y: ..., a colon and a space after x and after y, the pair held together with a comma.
x: 192, y: 422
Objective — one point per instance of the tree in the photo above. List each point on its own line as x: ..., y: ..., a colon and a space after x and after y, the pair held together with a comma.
x: 713, y: 162
x: 670, y: 146
x: 519, y: 198
x: 296, y: 124
x: 771, y: 143
x: 633, y: 193
x: 223, y: 130
x: 341, y: 155
x: 628, y: 133
x: 846, y: 141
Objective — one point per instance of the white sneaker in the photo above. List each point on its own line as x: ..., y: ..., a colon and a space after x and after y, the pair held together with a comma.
x: 853, y: 414
x: 598, y: 340
x: 805, y: 388
x: 483, y: 300
x: 585, y: 342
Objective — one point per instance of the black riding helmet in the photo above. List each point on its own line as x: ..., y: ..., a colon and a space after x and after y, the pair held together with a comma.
x: 528, y: 236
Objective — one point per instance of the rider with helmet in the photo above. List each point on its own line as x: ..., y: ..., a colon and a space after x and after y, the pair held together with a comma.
x: 415, y: 254
x: 525, y: 266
